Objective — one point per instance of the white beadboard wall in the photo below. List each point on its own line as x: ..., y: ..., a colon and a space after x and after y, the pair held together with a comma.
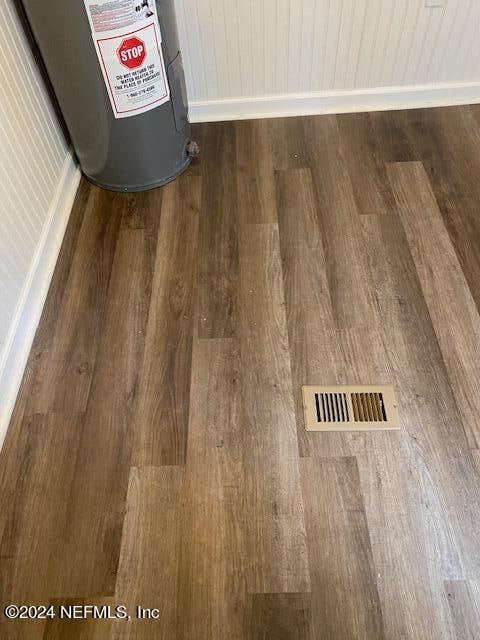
x: 252, y: 58
x: 38, y: 181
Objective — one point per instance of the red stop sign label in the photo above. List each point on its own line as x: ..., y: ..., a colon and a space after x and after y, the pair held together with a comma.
x: 132, y: 53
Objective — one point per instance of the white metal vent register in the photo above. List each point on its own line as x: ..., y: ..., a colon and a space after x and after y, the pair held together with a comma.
x: 351, y: 408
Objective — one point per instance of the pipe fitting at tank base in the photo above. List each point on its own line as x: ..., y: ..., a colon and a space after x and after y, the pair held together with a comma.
x: 193, y: 150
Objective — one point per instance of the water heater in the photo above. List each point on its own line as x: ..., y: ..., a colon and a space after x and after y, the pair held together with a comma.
x: 116, y: 69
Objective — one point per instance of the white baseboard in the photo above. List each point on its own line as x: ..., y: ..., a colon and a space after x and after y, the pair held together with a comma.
x: 14, y: 356
x: 299, y: 104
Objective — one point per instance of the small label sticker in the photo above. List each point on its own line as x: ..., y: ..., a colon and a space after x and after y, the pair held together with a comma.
x: 112, y: 15
x: 128, y: 40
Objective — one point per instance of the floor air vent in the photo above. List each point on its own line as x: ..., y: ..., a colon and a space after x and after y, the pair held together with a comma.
x: 350, y: 408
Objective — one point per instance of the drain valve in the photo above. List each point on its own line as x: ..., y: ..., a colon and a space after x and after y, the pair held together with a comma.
x: 193, y: 150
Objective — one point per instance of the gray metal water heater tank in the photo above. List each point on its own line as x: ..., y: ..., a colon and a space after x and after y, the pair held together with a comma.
x: 116, y: 69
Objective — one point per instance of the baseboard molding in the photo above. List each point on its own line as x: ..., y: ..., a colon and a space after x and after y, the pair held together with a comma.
x: 298, y: 104
x: 17, y: 347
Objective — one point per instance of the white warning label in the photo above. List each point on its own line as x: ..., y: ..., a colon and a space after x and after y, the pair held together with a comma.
x: 128, y: 42
x: 110, y: 15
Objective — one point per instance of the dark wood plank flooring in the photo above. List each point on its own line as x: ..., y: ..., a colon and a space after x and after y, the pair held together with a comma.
x: 157, y: 456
